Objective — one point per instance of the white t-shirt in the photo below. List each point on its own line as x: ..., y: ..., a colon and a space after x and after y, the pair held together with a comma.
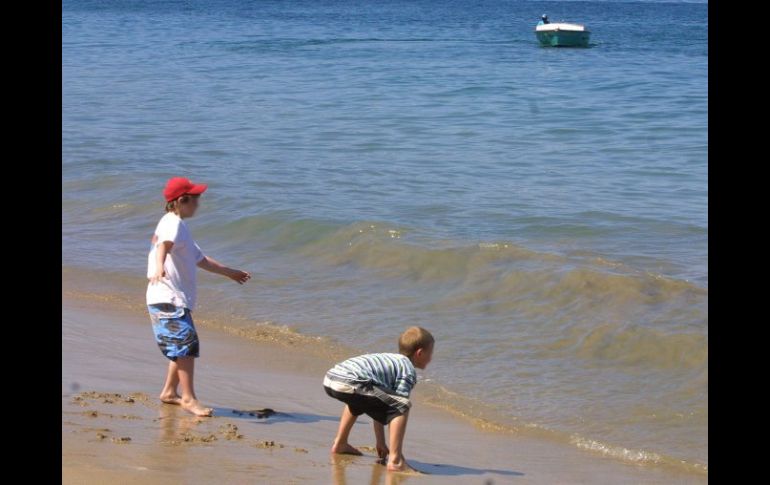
x: 179, y: 285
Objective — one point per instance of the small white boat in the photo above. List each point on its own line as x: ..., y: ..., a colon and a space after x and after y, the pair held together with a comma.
x: 561, y: 34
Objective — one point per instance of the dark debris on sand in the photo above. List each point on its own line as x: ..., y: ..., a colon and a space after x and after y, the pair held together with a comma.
x: 258, y: 413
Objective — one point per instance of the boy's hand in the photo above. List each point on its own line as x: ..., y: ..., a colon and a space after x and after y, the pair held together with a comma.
x: 158, y: 277
x: 382, y: 451
x: 239, y: 276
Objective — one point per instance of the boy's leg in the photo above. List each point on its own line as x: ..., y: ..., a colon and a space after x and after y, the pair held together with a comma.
x: 396, y: 460
x: 169, y: 395
x: 186, y: 366
x: 341, y: 444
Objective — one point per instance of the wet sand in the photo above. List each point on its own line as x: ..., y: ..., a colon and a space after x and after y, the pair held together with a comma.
x: 114, y: 429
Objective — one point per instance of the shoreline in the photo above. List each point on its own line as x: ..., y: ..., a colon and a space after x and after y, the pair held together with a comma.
x: 245, y: 374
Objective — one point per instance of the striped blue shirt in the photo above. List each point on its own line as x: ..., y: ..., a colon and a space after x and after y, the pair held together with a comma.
x: 391, y: 372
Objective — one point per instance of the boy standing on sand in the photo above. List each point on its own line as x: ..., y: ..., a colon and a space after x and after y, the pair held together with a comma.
x: 171, y: 293
x: 379, y: 385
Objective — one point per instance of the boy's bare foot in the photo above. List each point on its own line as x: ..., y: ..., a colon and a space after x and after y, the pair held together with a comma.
x: 195, y: 407
x: 345, y: 449
x: 171, y: 399
x: 402, y: 467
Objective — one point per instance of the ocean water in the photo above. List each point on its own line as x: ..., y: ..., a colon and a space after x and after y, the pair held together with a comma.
x: 381, y: 164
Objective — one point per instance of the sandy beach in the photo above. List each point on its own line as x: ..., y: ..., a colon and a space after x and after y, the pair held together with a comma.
x: 115, y: 430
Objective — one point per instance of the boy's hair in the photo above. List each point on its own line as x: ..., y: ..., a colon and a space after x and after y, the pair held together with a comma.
x: 173, y: 205
x: 412, y: 339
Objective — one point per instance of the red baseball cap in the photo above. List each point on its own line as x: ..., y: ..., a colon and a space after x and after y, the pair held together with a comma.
x: 179, y: 186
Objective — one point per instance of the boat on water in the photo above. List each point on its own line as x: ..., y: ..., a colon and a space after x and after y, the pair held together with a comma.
x: 561, y: 34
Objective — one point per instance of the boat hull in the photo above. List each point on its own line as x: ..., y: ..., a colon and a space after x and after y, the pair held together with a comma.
x: 563, y: 38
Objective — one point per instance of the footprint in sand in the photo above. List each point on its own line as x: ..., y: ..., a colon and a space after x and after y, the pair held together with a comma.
x: 230, y: 432
x: 268, y: 444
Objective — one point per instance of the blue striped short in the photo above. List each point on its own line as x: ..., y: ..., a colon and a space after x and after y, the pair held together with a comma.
x: 174, y: 331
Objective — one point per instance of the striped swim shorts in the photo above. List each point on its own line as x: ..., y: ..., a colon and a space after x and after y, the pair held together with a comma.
x: 174, y: 331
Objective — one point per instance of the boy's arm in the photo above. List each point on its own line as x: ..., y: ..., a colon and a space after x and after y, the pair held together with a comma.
x: 212, y: 265
x: 405, y: 383
x: 163, y: 239
x: 379, y: 434
x: 161, y: 251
